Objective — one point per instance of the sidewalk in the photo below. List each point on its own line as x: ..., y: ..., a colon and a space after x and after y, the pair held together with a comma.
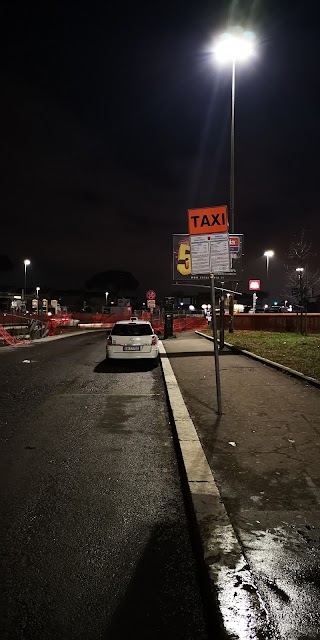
x: 264, y: 454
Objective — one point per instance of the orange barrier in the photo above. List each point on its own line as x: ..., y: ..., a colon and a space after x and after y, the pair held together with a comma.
x: 182, y: 324
x: 63, y: 320
x: 190, y: 324
x: 8, y: 339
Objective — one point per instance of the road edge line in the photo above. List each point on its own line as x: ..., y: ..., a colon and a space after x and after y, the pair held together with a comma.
x: 275, y: 365
x: 231, y: 583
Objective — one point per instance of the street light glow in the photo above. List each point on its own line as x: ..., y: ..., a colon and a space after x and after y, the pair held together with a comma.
x: 235, y: 46
x: 268, y: 254
x: 26, y: 262
x: 300, y: 269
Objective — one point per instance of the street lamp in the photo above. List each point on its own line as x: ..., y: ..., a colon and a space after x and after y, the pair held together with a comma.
x: 26, y: 264
x: 300, y: 271
x: 268, y: 254
x: 37, y: 292
x: 232, y: 47
x: 107, y: 293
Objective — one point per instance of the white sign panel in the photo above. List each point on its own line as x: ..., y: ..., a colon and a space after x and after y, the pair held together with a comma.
x: 210, y: 254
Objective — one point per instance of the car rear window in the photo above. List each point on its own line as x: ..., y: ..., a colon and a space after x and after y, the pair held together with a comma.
x: 132, y: 330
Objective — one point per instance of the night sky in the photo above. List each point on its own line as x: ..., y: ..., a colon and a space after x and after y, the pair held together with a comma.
x: 115, y: 120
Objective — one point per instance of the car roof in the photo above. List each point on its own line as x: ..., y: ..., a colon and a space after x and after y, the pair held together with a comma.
x: 133, y: 322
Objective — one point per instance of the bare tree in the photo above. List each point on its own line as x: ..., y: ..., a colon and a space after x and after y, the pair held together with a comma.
x: 303, y: 285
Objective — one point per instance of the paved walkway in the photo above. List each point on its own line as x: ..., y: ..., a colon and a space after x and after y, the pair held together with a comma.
x: 264, y: 453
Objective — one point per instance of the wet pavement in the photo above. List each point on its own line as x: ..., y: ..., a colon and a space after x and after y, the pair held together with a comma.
x: 95, y: 539
x: 265, y: 456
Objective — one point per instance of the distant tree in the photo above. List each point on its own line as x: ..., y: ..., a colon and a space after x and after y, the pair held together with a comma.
x: 5, y: 263
x: 302, y: 286
x: 115, y: 282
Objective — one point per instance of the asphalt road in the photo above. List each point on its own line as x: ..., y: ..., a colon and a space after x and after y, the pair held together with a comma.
x: 95, y: 540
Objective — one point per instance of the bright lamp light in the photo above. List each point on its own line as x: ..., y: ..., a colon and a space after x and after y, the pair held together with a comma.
x: 234, y: 46
x: 269, y: 254
x: 26, y: 263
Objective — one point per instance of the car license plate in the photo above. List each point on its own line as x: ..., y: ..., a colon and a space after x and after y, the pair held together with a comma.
x: 127, y: 348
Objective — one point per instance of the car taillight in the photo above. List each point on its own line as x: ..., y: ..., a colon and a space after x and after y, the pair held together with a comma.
x: 154, y: 340
x: 109, y: 341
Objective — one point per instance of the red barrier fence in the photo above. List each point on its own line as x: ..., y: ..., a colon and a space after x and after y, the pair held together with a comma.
x: 280, y: 322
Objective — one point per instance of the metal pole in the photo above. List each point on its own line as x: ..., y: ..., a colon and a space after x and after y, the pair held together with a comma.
x: 232, y: 148
x: 233, y: 87
x: 221, y: 341
x: 301, y: 305
x: 25, y: 281
x: 215, y: 343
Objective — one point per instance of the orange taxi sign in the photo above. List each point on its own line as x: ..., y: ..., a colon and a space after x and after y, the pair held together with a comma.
x: 208, y: 220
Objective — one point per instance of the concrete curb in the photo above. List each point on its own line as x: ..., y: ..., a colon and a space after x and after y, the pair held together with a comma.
x: 270, y: 363
x: 242, y: 610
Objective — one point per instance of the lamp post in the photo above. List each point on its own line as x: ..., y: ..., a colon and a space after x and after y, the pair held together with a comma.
x: 300, y: 271
x: 232, y: 47
x: 268, y: 254
x: 26, y: 264
x: 37, y: 291
x: 204, y: 308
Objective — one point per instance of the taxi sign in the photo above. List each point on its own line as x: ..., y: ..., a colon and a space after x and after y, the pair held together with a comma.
x: 208, y: 220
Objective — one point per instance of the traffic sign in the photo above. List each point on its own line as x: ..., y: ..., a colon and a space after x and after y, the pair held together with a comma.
x: 208, y: 220
x: 254, y: 285
x: 151, y: 295
x: 151, y: 304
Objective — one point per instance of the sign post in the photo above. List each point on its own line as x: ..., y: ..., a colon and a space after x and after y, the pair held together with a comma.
x: 215, y: 344
x: 151, y: 300
x: 210, y: 254
x: 254, y: 285
x: 221, y: 335
x: 254, y: 302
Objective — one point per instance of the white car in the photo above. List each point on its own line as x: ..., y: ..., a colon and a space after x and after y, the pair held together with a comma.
x: 132, y: 339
